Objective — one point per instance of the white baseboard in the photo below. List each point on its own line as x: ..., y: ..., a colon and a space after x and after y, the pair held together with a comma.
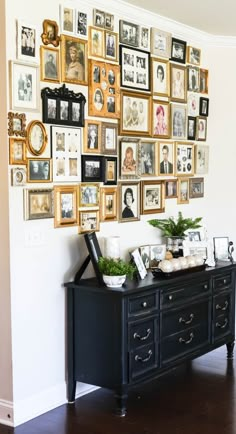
x: 6, y: 412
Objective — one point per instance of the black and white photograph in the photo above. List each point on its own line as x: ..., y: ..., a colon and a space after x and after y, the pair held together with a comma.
x: 128, y: 158
x: 196, y: 187
x: 75, y: 111
x: 109, y: 138
x: 178, y: 121
x: 18, y: 176
x: 98, y: 100
x: 110, y: 171
x: 191, y: 128
x: 194, y: 55
x: 92, y: 137
x: 170, y: 189
x: 65, y: 198
x: 96, y: 74
x: 64, y: 110
x: 88, y: 195
x: 109, y: 21
x: 157, y: 254
x: 145, y: 255
x: 203, y: 106
x: 201, y: 128
x: 145, y: 38
x: 183, y: 191
x: 111, y: 104
x: 27, y: 43
x: 201, y: 159
x: 17, y: 151
x: 194, y: 236
x: 166, y: 158
x: 184, y: 157
x: 67, y: 16
x: 39, y: 170
x: 160, y: 77
x: 193, y: 78
x: 135, y: 68
x: 129, y: 33
x: 38, y: 204
x: 129, y: 202
x: 221, y: 246
x: 178, y: 84
x: 50, y: 64
x: 92, y: 168
x: 160, y: 43
x: 135, y: 114
x: 139, y: 263
x: 24, y: 86
x: 152, y: 197
x: 193, y: 104
x: 88, y: 221
x: 66, y: 153
x: 98, y: 18
x: 66, y: 205
x: 111, y: 46
x: 147, y: 158
x: 203, y: 80
x: 81, y: 24
x: 178, y: 50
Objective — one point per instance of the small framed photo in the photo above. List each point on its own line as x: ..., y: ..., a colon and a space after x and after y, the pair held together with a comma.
x: 18, y: 176
x: 152, y: 197
x: 92, y: 137
x: 49, y: 64
x: 160, y: 77
x: 178, y: 121
x: 89, y: 195
x: 50, y: 33
x: 193, y: 73
x: 38, y: 204
x: 67, y: 16
x: 178, y: 83
x: 184, y: 158
x: 66, y: 145
x: 157, y: 254
x: 111, y: 46
x: 109, y: 21
x: 221, y: 248
x: 193, y: 55
x: 139, y: 263
x: 135, y: 114
x: 178, y: 50
x: 203, y: 80
x: 201, y: 128
x: 36, y: 137
x: 88, y: 221
x: 196, y: 188
x: 74, y: 68
x: 16, y: 124
x: 147, y: 162
x: 98, y: 18
x: 27, y: 42
x: 193, y: 104
x: 129, y: 202
x: 135, y: 68
x: 170, y: 189
x: 96, y: 42
x: 65, y: 200
x: 129, y: 33
x: 191, y: 128
x: 17, y: 151
x: 24, y: 86
x: 39, y: 170
x: 183, y: 191
x: 110, y: 171
x: 144, y: 38
x: 81, y: 24
x: 166, y: 158
x: 195, y: 247
x: 129, y: 158
x: 109, y: 138
x: 201, y: 159
x: 92, y: 168
x: 160, y: 119
x: 108, y: 208
x: 203, y: 106
x: 160, y: 43
x: 145, y: 255
x: 194, y: 236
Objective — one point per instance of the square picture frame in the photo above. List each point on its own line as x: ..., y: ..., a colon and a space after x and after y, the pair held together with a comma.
x: 152, y: 198
x: 27, y: 41
x: 191, y: 128
x: 171, y: 189
x: 182, y: 191
x: 38, y: 204
x: 160, y: 43
x: 88, y: 221
x: 108, y: 208
x: 129, y: 33
x: 194, y: 55
x: 111, y: 45
x: 196, y: 188
x: 178, y: 83
x: 184, y: 159
x: 193, y: 78
x: 160, y: 119
x: 160, y: 77
x: 24, y: 85
x: 135, y: 114
x: 81, y: 24
x: 16, y: 124
x: 74, y: 67
x: 129, y: 202
x: 178, y: 121
x: 96, y: 42
x: 147, y: 158
x: 18, y: 176
x: 17, y: 151
x: 109, y: 138
x: 203, y: 80
x: 49, y: 64
x: 201, y: 159
x: 65, y: 200
x: 92, y: 137
x: 110, y: 171
x: 166, y: 158
x: 178, y: 50
x: 39, y: 170
x: 92, y: 168
x: 88, y: 194
x: 203, y: 106
x: 135, y: 68
x: 128, y: 158
x: 201, y: 128
x: 66, y: 146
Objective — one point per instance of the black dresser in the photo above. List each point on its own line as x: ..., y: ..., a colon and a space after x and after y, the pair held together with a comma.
x: 118, y: 338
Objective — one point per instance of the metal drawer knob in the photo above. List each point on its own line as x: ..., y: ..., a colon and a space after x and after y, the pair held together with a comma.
x: 225, y: 281
x: 170, y: 297
x: 205, y: 286
x: 222, y: 326
x: 225, y: 307
x: 188, y: 341
x: 140, y: 359
x: 186, y: 321
x: 143, y: 338
x: 144, y: 304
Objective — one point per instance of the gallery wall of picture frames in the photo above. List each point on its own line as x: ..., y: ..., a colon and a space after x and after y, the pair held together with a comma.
x: 144, y: 139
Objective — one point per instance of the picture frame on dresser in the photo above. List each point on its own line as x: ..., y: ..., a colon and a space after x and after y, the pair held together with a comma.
x: 221, y: 248
x: 136, y: 258
x: 135, y: 68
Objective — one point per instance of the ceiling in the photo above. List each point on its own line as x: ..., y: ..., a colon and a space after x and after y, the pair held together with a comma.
x: 211, y: 16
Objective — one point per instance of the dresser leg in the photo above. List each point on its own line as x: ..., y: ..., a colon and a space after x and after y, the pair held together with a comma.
x: 121, y: 403
x: 230, y: 350
x: 71, y: 392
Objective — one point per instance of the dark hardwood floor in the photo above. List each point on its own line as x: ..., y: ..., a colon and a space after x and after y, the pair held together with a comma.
x: 197, y: 398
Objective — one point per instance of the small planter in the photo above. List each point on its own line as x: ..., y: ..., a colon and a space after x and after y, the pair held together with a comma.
x: 114, y: 281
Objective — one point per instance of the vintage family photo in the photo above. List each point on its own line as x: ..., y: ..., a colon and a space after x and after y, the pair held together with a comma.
x: 170, y: 189
x: 128, y: 158
x: 109, y: 138
x: 196, y: 187
x: 161, y: 119
x: 201, y: 159
x: 135, y: 68
x: 178, y: 88
x: 191, y: 128
x: 92, y: 168
x: 74, y: 60
x: 109, y: 204
x: 24, y: 86
x: 38, y: 204
x: 129, y: 33
x: 201, y: 128
x: 50, y: 64
x: 17, y: 151
x: 135, y: 114
x: 89, y: 221
x: 178, y: 121
x: 160, y: 77
x: 166, y: 158
x: 66, y: 153
x: 194, y: 55
x: 129, y: 202
x: 81, y: 23
x: 184, y: 159
x: 147, y: 158
x: 110, y: 170
x: 193, y: 78
x: 92, y: 137
x: 178, y: 50
x: 160, y: 43
x: 26, y: 41
x: 88, y: 194
x: 152, y: 197
x: 183, y: 191
x: 39, y: 170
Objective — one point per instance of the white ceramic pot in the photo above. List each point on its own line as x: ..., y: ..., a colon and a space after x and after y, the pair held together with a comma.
x: 114, y: 281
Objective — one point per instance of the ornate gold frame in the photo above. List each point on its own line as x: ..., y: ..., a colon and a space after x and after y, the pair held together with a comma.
x: 30, y: 144
x: 46, y: 40
x: 60, y: 220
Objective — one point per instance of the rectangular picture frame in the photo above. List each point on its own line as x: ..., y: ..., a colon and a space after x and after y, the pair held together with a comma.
x: 221, y: 248
x: 184, y: 159
x: 135, y: 114
x: 128, y: 158
x: 27, y: 42
x: 88, y: 221
x: 74, y: 66
x: 178, y: 121
x: 38, y: 204
x: 161, y: 119
x: 147, y: 158
x: 201, y: 159
x: 129, y: 33
x: 191, y: 128
x: 129, y: 202
x: 111, y: 46
x: 66, y: 146
x: 24, y: 85
x: 88, y: 195
x: 109, y: 138
x: 135, y: 68
x: 17, y: 151
x: 194, y: 55
x: 160, y: 77
x: 39, y: 170
x: 65, y: 200
x: 201, y: 128
x: 160, y: 43
x: 166, y: 158
x: 171, y: 189
x: 183, y: 191
x: 92, y: 168
x: 178, y: 83
x: 108, y: 208
x: 178, y: 50
x: 110, y: 170
x: 92, y: 137
x: 49, y: 64
x: 152, y: 198
x: 196, y: 188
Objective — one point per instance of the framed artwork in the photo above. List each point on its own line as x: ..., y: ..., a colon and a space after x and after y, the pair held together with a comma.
x: 94, y: 250
x: 92, y: 168
x: 109, y: 138
x: 27, y: 42
x: 49, y: 64
x: 50, y: 33
x: 178, y: 50
x: 96, y: 42
x: 18, y: 176
x: 129, y: 33
x: 152, y: 200
x: 98, y: 18
x: 67, y: 17
x: 74, y: 68
x: 221, y: 248
x: 128, y: 202
x: 178, y: 121
x: 16, y: 124
x: 166, y: 158
x: 178, y: 84
x: 160, y: 77
x: 88, y: 221
x: 193, y: 104
x: 145, y: 255
x: 92, y: 137
x: 144, y: 38
x: 170, y: 189
x: 129, y: 158
x: 135, y: 68
x: 196, y: 187
x: 17, y: 151
x: 104, y: 89
x: 160, y: 119
x: 193, y: 55
x: 203, y: 106
x: 183, y: 191
x: 194, y: 236
x: 111, y: 46
x: 193, y: 73
x: 201, y: 159
x: 184, y: 158
x: 81, y: 24
x: 191, y: 128
x: 24, y: 86
x: 38, y: 204
x: 39, y: 170
x: 89, y: 195
x: 109, y: 21
x: 66, y: 153
x: 110, y: 171
x: 157, y: 254
x: 135, y: 114
x: 136, y: 257
x: 201, y: 128
x: 160, y: 43
x: 203, y: 80
x: 147, y: 158
x: 108, y: 208
x: 36, y: 137
x: 195, y: 248
x: 65, y: 200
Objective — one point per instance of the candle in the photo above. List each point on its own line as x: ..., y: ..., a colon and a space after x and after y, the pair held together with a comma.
x: 112, y: 247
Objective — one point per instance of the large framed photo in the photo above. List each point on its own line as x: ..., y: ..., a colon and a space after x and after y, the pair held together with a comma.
x: 89, y: 195
x: 193, y: 55
x: 183, y: 191
x: 170, y: 189
x: 201, y: 128
x: 178, y: 121
x: 27, y: 42
x: 203, y: 106
x: 92, y: 137
x: 129, y: 33
x: 109, y: 138
x: 129, y: 201
x: 38, y: 204
x: 160, y: 43
x: 147, y: 162
x: 193, y: 73
x: 39, y: 170
x: 96, y: 42
x: 196, y: 188
x: 17, y: 151
x: 160, y: 77
x: 110, y: 171
x: 65, y: 200
x: 160, y: 119
x: 74, y: 68
x: 16, y: 124
x: 203, y: 80
x: 184, y: 157
x: 24, y: 86
x: 67, y: 17
x: 66, y: 153
x: 135, y: 68
x: 129, y: 158
x: 108, y: 209
x: 111, y: 46
x: 191, y: 128
x: 92, y: 168
x: 152, y: 197
x: 166, y: 158
x: 49, y: 64
x: 201, y: 159
x: 88, y: 221
x: 178, y: 84
x: 36, y: 137
x: 178, y: 50
x: 135, y: 114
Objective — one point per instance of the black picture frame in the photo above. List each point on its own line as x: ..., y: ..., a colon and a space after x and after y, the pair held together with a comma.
x: 178, y: 50
x: 62, y: 106
x: 203, y: 106
x: 191, y: 128
x: 94, y: 252
x: 92, y: 168
x: 110, y: 174
x: 134, y: 68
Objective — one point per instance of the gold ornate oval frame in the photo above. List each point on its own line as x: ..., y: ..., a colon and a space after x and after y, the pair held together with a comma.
x: 32, y: 142
x: 50, y: 33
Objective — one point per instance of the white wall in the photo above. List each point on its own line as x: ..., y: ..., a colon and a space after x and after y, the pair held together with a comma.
x: 43, y: 258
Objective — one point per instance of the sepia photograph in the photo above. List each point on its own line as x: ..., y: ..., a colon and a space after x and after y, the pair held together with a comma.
x: 74, y: 60
x: 203, y: 80
x: 196, y: 187
x: 178, y: 121
x: 152, y: 197
x: 66, y: 153
x: 170, y: 189
x: 92, y: 137
x: 147, y: 158
x: 144, y: 38
x: 18, y: 176
x: 128, y: 158
x: 183, y: 191
x: 109, y: 138
x: 178, y: 84
x: 129, y: 33
x: 96, y: 42
x: 38, y: 204
x: 108, y: 209
x: 88, y: 221
x: 135, y: 114
x: 50, y: 64
x: 17, y: 151
x: 65, y: 200
x: 110, y: 171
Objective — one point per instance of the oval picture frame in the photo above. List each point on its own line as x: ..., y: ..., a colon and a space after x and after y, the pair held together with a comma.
x: 36, y: 137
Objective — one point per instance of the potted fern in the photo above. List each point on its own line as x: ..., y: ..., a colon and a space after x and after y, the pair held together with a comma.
x: 115, y: 271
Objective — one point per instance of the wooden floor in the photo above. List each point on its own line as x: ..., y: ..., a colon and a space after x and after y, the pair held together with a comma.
x: 198, y: 398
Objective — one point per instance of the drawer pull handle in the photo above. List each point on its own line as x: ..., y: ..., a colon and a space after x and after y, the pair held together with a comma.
x: 206, y: 286
x: 225, y: 307
x: 170, y: 297
x: 143, y: 338
x: 184, y: 321
x: 139, y: 359
x: 225, y: 281
x: 222, y: 326
x: 144, y: 304
x: 183, y: 341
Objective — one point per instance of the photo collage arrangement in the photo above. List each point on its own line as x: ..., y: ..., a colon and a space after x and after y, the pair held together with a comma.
x: 144, y: 139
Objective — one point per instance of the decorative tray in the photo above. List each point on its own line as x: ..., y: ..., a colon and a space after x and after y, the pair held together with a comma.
x: 157, y: 272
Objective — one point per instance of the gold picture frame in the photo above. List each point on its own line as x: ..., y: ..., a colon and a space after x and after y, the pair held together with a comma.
x: 36, y: 137
x: 74, y: 67
x: 111, y: 46
x: 152, y: 197
x: 183, y: 190
x: 88, y: 194
x: 178, y: 83
x: 135, y: 114
x: 160, y: 119
x: 16, y: 124
x: 160, y: 77
x: 39, y: 170
x: 96, y: 42
x: 193, y: 55
x: 92, y: 137
x: 49, y: 64
x: 88, y: 221
x: 129, y: 201
x: 108, y: 209
x: 17, y: 151
x: 65, y: 200
x: 50, y: 33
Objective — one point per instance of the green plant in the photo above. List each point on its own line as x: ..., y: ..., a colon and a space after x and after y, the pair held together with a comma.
x: 171, y: 227
x: 115, y: 267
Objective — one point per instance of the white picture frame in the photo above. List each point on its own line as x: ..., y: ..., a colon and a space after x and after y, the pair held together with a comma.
x: 24, y: 79
x: 139, y: 263
x: 27, y: 42
x: 67, y: 19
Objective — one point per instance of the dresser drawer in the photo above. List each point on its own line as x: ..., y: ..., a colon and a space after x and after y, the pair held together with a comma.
x: 142, y: 333
x: 185, y: 292
x: 142, y: 360
x: 222, y: 304
x: 222, y: 281
x: 222, y: 326
x: 142, y: 304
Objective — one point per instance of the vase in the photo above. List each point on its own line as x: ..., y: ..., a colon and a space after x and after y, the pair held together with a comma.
x: 174, y: 244
x: 114, y: 281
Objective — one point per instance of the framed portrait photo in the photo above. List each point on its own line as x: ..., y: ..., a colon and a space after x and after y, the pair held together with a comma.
x: 98, y: 18
x: 201, y: 128
x: 50, y: 33
x: 24, y: 86
x: 193, y: 104
x: 184, y: 159
x: 196, y: 187
x: 88, y: 221
x: 160, y: 119
x: 74, y: 68
x: 18, y: 176
x: 96, y: 42
x: 152, y: 200
x: 128, y: 158
x: 135, y: 114
x: 193, y: 74
x: 178, y: 83
x: 147, y: 160
x: 110, y: 171
x: 16, y: 124
x: 178, y: 50
x: 145, y: 255
x: 36, y: 137
x: 67, y: 18
x: 203, y: 106
x: 144, y: 38
x: 89, y: 195
x: 171, y: 189
x: 65, y: 206
x: 108, y: 208
x: 109, y: 22
x: 157, y: 254
x: 193, y: 55
x: 109, y: 138
x: 49, y: 64
x: 38, y: 204
x: 136, y: 257
x: 129, y: 206
x: 27, y: 41
x: 160, y: 43
x: 221, y: 248
x: 81, y: 24
x: 160, y: 77
x: 135, y: 68
x: 201, y: 159
x: 183, y: 191
x: 92, y: 168
x: 111, y: 46
x: 178, y: 121
x: 129, y: 33
x: 17, y: 151
x: 166, y: 158
x: 92, y: 137
x: 203, y: 80
x: 191, y: 128
x: 39, y: 170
